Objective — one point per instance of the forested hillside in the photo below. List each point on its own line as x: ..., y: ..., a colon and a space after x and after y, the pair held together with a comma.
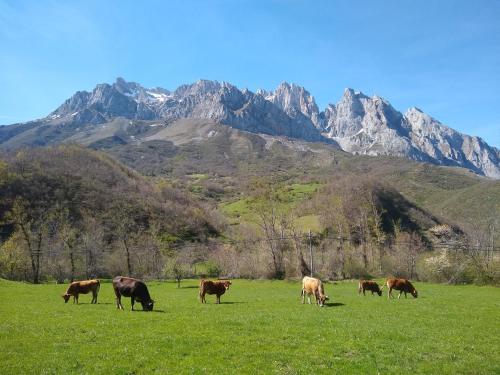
x: 71, y: 212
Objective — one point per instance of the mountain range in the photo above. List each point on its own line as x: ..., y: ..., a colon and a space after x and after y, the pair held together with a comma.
x: 128, y: 113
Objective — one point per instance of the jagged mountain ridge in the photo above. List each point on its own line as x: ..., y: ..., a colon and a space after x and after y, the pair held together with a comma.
x: 218, y: 102
x: 371, y: 126
x: 358, y: 123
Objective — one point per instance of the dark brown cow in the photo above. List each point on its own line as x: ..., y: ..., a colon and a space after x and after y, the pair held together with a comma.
x: 403, y: 285
x: 133, y: 288
x: 82, y: 287
x: 218, y: 288
x: 369, y: 285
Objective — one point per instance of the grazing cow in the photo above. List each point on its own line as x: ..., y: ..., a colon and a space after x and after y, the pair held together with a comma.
x: 218, y: 288
x: 82, y: 287
x: 311, y: 285
x: 133, y: 288
x: 372, y: 286
x: 403, y: 285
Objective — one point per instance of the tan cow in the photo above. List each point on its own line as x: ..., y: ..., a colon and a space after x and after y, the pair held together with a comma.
x: 311, y: 285
x: 82, y: 287
x: 403, y: 285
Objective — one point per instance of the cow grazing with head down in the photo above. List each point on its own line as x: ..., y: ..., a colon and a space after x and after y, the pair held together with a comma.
x: 403, y: 285
x: 369, y: 285
x: 218, y: 288
x: 82, y: 287
x: 311, y: 285
x: 133, y: 288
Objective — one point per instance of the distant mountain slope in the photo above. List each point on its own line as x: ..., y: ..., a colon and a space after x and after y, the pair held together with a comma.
x: 217, y: 161
x: 126, y: 112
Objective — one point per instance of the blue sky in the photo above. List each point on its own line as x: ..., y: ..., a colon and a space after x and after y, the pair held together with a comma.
x: 441, y: 56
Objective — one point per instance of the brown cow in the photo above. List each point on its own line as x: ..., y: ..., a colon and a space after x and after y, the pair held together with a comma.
x: 133, y: 288
x: 371, y: 286
x: 403, y: 285
x: 311, y: 285
x: 218, y: 288
x: 82, y: 287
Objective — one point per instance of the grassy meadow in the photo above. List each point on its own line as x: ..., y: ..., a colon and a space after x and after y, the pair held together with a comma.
x: 260, y: 327
x: 287, y: 199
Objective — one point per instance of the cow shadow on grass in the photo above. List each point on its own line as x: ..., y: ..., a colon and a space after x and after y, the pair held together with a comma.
x: 189, y: 287
x: 98, y: 303
x: 226, y: 303
x: 153, y: 311
x: 333, y: 304
x: 232, y: 302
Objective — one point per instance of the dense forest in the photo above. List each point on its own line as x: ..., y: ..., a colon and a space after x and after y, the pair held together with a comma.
x: 69, y: 212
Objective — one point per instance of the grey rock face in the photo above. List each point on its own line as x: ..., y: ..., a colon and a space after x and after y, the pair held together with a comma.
x: 216, y: 101
x: 371, y: 126
x: 296, y: 102
x: 358, y: 123
x: 451, y: 147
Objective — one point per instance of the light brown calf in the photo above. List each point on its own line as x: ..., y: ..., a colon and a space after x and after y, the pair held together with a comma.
x: 82, y: 287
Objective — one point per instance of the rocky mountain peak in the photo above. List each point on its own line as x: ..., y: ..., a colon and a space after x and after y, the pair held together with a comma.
x: 295, y: 100
x: 200, y: 87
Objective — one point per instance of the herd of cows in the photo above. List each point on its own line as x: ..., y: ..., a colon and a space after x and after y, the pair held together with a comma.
x: 138, y: 291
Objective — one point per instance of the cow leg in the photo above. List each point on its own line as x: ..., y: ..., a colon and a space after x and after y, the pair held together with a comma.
x: 406, y: 295
x: 389, y: 294
x: 309, y: 298
x: 118, y: 300
x: 303, y: 295
x: 400, y: 294
x: 132, y: 300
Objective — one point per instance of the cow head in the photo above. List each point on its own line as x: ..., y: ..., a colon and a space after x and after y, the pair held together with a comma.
x: 66, y: 297
x: 414, y: 293
x: 322, y: 299
x: 227, y: 283
x: 148, y: 306
x: 379, y: 292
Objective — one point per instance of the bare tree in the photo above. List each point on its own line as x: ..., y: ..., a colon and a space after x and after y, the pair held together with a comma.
x: 274, y: 225
x: 32, y: 225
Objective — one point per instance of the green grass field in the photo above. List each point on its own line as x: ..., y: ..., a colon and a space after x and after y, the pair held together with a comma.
x: 260, y: 327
